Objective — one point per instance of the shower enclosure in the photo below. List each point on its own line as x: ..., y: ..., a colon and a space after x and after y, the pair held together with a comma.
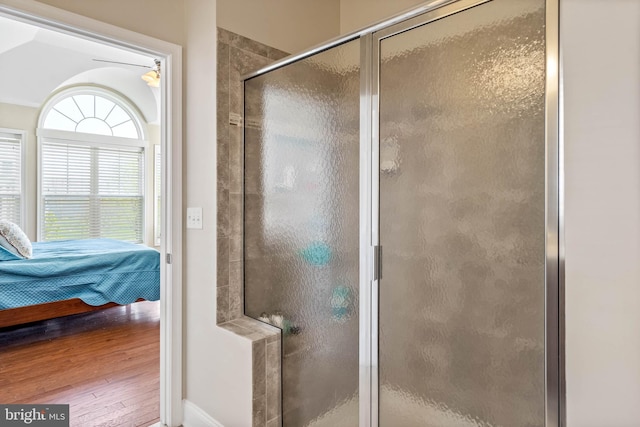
x: 401, y: 219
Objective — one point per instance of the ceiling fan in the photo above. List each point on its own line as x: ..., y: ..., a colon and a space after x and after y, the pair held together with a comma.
x: 152, y: 78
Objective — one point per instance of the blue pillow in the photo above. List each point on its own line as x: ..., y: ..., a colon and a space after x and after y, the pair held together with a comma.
x: 5, y: 255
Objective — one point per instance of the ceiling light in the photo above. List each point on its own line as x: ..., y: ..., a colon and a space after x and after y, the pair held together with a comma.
x: 153, y: 77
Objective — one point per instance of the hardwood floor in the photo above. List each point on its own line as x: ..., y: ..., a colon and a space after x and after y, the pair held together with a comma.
x: 104, y: 364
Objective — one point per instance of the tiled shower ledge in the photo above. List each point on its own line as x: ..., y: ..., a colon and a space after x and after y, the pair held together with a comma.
x: 252, y: 329
x: 265, y: 361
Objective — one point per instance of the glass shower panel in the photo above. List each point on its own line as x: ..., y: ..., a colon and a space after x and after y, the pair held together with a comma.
x: 301, y: 228
x: 462, y: 220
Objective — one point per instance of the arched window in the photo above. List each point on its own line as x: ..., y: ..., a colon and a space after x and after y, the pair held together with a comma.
x: 91, y: 164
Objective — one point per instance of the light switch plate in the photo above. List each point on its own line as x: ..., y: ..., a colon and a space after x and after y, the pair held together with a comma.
x: 194, y: 218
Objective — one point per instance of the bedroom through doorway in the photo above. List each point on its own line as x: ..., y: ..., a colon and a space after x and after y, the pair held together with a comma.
x: 85, y: 128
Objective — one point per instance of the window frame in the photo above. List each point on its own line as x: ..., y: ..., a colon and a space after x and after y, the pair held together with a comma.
x: 22, y: 134
x: 110, y: 94
x: 95, y: 140
x: 157, y: 195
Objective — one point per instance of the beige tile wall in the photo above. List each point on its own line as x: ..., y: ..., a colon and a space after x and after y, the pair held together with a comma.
x: 237, y: 56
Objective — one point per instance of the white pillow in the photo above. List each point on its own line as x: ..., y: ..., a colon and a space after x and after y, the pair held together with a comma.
x: 13, y: 239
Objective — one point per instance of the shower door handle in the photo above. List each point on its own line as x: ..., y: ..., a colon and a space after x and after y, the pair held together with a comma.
x: 377, y: 262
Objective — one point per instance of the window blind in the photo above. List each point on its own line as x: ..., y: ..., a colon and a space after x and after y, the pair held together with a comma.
x: 11, y: 177
x: 91, y: 192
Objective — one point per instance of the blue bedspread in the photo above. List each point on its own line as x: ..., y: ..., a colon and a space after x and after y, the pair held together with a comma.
x: 97, y: 271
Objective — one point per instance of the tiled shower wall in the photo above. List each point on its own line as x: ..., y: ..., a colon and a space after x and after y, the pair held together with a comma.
x: 238, y: 56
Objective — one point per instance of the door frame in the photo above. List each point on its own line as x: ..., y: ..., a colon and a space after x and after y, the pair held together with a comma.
x: 171, y: 342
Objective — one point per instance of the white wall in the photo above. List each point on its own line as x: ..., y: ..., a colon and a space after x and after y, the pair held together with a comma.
x: 217, y: 364
x: 289, y: 25
x: 601, y: 48
x: 161, y: 19
x: 355, y: 14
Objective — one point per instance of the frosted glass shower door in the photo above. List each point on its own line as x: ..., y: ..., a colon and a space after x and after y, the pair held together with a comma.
x: 301, y: 229
x: 462, y: 218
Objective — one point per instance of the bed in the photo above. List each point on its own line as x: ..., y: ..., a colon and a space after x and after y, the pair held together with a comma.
x: 74, y: 276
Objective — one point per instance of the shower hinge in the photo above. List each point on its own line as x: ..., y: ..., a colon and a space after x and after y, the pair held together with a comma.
x: 377, y: 262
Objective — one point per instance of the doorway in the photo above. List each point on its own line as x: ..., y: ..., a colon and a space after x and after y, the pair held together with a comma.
x: 169, y: 55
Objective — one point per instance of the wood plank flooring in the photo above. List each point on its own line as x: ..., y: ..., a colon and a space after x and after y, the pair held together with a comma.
x: 105, y: 365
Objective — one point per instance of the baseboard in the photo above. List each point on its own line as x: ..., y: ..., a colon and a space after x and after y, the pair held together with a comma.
x: 193, y: 416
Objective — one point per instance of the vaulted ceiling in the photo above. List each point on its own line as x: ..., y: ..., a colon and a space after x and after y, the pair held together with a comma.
x: 35, y: 62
